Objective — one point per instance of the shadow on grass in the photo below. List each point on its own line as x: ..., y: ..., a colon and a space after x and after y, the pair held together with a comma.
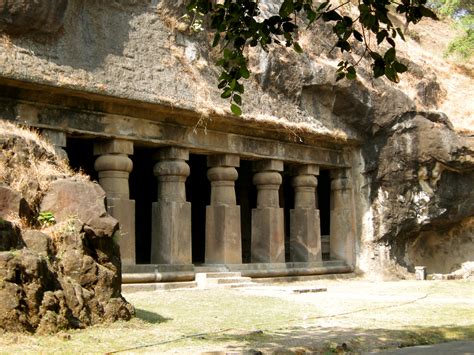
x: 328, y: 340
x: 150, y: 317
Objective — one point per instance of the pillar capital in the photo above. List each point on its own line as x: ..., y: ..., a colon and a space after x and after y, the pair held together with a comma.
x: 268, y: 165
x: 340, y: 179
x: 113, y: 146
x: 230, y: 160
x: 172, y: 153
x: 307, y: 169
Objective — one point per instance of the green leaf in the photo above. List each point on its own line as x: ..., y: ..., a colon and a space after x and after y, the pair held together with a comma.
x: 217, y: 38
x: 331, y: 16
x: 297, y: 48
x: 399, y: 31
x: 237, y: 99
x: 244, y: 72
x: 391, y: 74
x: 428, y: 13
x: 226, y: 94
x: 351, y: 73
x: 322, y: 6
x: 399, y: 67
x: 358, y: 36
x: 381, y: 36
x: 236, y: 110
x: 286, y: 8
x: 390, y: 55
x: 340, y: 76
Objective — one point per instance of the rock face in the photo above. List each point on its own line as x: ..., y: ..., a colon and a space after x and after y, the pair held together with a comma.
x: 22, y: 16
x: 66, y: 275
x: 422, y: 195
x: 412, y: 172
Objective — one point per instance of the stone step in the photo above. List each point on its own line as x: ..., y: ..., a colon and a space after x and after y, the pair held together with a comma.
x: 158, y: 286
x: 223, y: 275
x: 229, y: 280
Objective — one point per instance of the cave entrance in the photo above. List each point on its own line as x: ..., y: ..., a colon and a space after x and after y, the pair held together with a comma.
x: 246, y: 194
x: 323, y: 204
x: 143, y: 189
x: 80, y: 152
x: 198, y: 192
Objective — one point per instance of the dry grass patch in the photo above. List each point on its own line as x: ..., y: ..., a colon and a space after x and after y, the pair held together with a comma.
x: 361, y: 314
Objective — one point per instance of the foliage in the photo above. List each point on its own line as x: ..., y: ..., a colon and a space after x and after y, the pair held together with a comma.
x: 46, y: 218
x: 238, y: 24
x: 462, y: 11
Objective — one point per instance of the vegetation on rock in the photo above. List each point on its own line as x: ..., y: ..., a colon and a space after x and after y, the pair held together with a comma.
x: 239, y: 24
x: 59, y: 265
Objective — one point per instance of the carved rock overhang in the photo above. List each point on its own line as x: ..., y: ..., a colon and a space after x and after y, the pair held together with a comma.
x: 94, y: 116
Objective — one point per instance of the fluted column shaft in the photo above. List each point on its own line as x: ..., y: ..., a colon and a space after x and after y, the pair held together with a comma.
x: 114, y: 167
x: 171, y: 213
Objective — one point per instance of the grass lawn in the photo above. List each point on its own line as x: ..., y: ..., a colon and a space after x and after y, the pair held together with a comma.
x: 353, y: 314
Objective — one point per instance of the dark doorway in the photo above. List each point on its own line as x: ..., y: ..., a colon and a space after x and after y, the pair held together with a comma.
x: 247, y: 200
x: 81, y: 156
x: 143, y: 189
x: 323, y: 200
x: 287, y: 202
x: 198, y: 192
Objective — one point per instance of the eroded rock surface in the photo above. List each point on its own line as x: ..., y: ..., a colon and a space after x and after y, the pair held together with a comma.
x: 23, y: 16
x: 62, y: 273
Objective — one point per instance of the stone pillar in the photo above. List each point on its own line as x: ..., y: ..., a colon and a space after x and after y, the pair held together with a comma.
x: 114, y: 167
x: 305, y: 230
x: 342, y: 227
x: 268, y: 234
x: 223, y: 236
x: 171, y: 213
x: 58, y: 139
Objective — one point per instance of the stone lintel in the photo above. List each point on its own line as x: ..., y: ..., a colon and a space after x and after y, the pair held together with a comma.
x: 114, y: 146
x: 268, y: 165
x: 154, y: 132
x: 174, y: 153
x: 56, y: 138
x: 216, y: 160
x: 306, y: 169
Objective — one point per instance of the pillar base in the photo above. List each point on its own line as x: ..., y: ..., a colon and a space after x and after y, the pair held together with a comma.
x: 124, y: 211
x: 305, y: 235
x: 342, y: 238
x: 268, y: 235
x: 223, y: 237
x: 171, y: 233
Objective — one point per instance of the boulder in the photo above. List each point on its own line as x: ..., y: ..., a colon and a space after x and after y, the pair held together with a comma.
x: 23, y: 16
x: 80, y: 198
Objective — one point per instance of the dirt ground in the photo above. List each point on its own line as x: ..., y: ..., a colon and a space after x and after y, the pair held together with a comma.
x: 349, y: 316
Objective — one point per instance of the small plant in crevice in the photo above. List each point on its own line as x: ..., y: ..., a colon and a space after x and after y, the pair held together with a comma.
x: 46, y: 219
